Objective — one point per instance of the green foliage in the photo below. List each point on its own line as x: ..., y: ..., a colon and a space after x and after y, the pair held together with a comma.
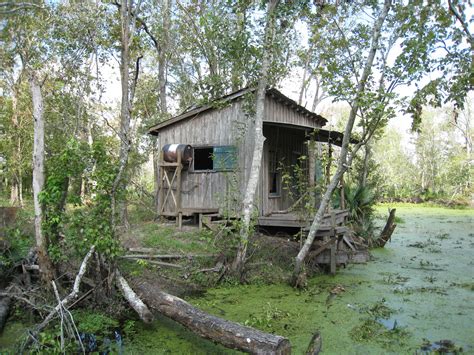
x: 437, y: 167
x: 268, y: 318
x: 61, y: 168
x: 91, y: 225
x: 16, y: 244
x: 94, y: 322
x: 360, y: 200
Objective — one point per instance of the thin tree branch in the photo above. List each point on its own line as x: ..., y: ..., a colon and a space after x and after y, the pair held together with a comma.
x: 463, y: 23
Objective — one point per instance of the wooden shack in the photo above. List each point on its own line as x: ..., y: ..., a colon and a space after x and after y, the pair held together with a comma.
x: 220, y: 134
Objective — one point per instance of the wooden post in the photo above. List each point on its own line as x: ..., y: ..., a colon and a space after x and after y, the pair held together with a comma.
x: 342, y: 201
x: 160, y: 184
x: 178, y: 192
x: 328, y: 165
x: 178, y: 184
x: 333, y: 256
x: 312, y: 171
x: 333, y: 244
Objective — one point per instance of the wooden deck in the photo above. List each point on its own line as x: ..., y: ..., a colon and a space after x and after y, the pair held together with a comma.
x: 293, y: 220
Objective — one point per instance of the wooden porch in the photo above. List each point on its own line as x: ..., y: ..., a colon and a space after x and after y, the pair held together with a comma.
x: 336, y: 218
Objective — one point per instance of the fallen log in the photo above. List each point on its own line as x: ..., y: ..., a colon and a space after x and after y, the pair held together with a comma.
x: 231, y: 335
x: 134, y: 301
x: 169, y: 256
x: 154, y: 262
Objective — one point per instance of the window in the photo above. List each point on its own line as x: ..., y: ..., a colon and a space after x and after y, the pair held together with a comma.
x: 203, y: 159
x: 218, y: 158
x: 274, y: 178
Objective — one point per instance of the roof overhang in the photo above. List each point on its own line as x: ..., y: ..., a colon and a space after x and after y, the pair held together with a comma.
x: 317, y: 134
x: 274, y: 93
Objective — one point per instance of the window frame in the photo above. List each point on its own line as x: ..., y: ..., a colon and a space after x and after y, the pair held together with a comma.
x: 214, y: 169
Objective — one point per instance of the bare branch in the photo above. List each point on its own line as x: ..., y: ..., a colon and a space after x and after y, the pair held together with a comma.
x: 135, y: 79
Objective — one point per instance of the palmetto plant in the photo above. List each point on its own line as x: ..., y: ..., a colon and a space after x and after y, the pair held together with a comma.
x: 359, y: 200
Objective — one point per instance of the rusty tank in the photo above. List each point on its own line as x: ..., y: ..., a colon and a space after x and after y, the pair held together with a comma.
x: 171, y: 151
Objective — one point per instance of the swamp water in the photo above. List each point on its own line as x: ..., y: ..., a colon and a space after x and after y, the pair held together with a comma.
x: 416, y: 293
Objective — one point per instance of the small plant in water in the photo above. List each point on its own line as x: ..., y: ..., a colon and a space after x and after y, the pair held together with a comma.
x: 442, y: 236
x: 267, y: 319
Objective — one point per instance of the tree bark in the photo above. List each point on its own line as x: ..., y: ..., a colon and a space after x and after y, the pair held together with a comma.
x: 162, y: 51
x: 343, y: 162
x: 46, y: 267
x: 365, y: 167
x: 387, y: 230
x: 304, y: 81
x: 16, y: 183
x: 248, y: 203
x: 227, y: 333
x: 134, y: 301
x: 124, y: 133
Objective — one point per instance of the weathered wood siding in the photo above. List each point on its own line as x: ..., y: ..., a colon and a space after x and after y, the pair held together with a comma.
x: 230, y: 126
x: 226, y: 126
x: 279, y: 112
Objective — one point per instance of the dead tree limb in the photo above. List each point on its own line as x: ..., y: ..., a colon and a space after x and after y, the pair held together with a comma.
x: 65, y: 301
x: 132, y: 298
x: 227, y: 333
x: 387, y: 230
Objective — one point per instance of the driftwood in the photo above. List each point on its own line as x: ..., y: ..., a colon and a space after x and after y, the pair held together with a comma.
x: 132, y: 298
x: 227, y: 333
x: 387, y: 230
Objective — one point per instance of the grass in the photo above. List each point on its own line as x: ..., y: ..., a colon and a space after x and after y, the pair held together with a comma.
x: 168, y: 239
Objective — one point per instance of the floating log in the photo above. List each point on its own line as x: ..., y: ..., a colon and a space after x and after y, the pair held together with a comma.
x: 231, y: 335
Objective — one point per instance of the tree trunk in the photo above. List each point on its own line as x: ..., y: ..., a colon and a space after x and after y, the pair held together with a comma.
x: 162, y: 51
x: 14, y: 199
x: 248, y: 203
x: 343, y: 162
x: 124, y: 133
x: 304, y: 81
x: 365, y: 167
x: 387, y: 230
x: 162, y: 59
x: 229, y: 334
x: 46, y: 267
x: 15, y: 194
